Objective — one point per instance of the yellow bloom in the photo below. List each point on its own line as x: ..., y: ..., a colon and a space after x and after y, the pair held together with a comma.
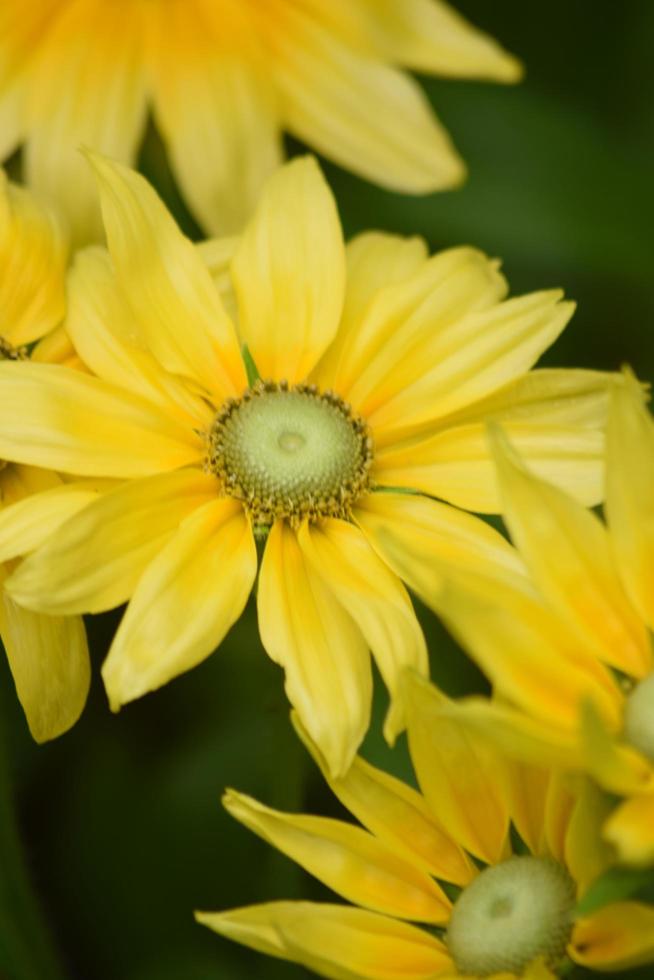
x: 569, y: 650
x: 375, y: 378
x: 513, y: 914
x: 223, y: 78
x: 47, y: 654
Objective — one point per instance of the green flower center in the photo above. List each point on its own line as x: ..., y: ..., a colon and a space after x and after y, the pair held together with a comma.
x: 511, y: 914
x: 292, y: 452
x: 639, y: 718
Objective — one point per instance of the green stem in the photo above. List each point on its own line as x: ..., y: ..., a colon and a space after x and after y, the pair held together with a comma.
x: 27, y: 950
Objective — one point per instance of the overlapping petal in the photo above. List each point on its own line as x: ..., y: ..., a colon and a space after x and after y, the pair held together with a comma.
x: 630, y: 828
x: 617, y: 937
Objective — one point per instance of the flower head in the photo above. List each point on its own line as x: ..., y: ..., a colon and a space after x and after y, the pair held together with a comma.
x: 346, y: 388
x: 569, y: 647
x: 491, y: 860
x: 223, y: 78
x: 47, y: 655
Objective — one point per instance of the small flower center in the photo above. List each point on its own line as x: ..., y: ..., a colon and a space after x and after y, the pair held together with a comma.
x: 10, y: 353
x: 639, y: 718
x: 511, y: 914
x: 290, y: 452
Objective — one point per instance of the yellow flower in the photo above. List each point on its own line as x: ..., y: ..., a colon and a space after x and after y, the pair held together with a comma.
x: 47, y: 654
x: 375, y: 379
x: 491, y: 859
x: 223, y: 78
x: 569, y: 650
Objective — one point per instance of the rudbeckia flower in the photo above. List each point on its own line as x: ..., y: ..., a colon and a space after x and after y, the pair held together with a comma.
x: 569, y: 650
x: 47, y: 655
x: 318, y: 418
x: 223, y: 79
x: 478, y: 877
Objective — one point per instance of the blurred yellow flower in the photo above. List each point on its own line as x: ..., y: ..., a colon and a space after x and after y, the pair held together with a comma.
x: 569, y: 650
x: 47, y: 654
x: 492, y: 859
x: 223, y: 78
x: 379, y: 367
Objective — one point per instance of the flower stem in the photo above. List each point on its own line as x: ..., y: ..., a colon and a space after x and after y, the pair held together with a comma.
x: 27, y: 951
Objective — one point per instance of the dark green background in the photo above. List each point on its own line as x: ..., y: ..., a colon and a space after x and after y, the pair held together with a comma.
x: 120, y: 819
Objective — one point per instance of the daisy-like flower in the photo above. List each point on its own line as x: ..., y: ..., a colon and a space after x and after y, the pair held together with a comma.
x: 569, y: 651
x: 223, y: 78
x: 370, y: 392
x: 491, y: 860
x: 47, y: 654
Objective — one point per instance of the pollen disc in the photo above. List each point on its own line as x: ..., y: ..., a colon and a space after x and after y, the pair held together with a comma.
x: 639, y: 718
x: 511, y: 914
x: 290, y: 452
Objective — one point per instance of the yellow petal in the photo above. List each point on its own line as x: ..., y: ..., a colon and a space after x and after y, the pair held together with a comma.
x: 568, y: 553
x: 95, y: 559
x: 335, y: 941
x: 630, y: 829
x: 347, y: 859
x: 66, y: 420
x: 456, y: 464
x: 460, y: 775
x: 33, y: 256
x: 216, y: 113
x: 174, y: 301
x: 532, y: 657
x: 527, y: 793
x: 339, y: 100
x: 50, y: 665
x: 375, y: 599
x: 105, y: 333
x: 324, y: 655
x: 587, y: 854
x: 185, y: 602
x: 375, y: 261
x: 390, y: 346
x: 629, y: 504
x: 28, y: 523
x: 413, y: 535
x: 464, y: 361
x: 56, y: 348
x: 289, y: 273
x: 618, y: 937
x: 397, y: 814
x: 80, y: 98
x: 616, y: 766
x: 429, y: 36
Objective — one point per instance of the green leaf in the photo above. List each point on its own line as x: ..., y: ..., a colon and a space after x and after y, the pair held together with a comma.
x: 250, y: 367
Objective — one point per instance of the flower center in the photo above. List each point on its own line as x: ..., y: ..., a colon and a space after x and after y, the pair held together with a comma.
x: 639, y: 718
x: 511, y: 914
x: 10, y: 353
x: 290, y: 452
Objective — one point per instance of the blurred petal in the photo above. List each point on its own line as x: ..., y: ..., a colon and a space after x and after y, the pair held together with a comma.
x: 617, y: 937
x: 174, y: 301
x: 339, y: 100
x: 347, y: 859
x: 568, y: 553
x: 390, y: 345
x: 335, y: 941
x: 216, y: 112
x: 416, y: 536
x: 95, y: 559
x: 289, y: 273
x: 460, y: 775
x: 629, y: 501
x: 85, y: 95
x: 630, y: 829
x: 28, y: 523
x: 616, y: 766
x: 466, y: 360
x: 50, y: 665
x: 66, y: 420
x: 375, y: 599
x: 456, y: 464
x: 527, y: 794
x: 397, y: 814
x: 324, y: 655
x: 184, y: 604
x: 33, y: 256
x: 587, y: 854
